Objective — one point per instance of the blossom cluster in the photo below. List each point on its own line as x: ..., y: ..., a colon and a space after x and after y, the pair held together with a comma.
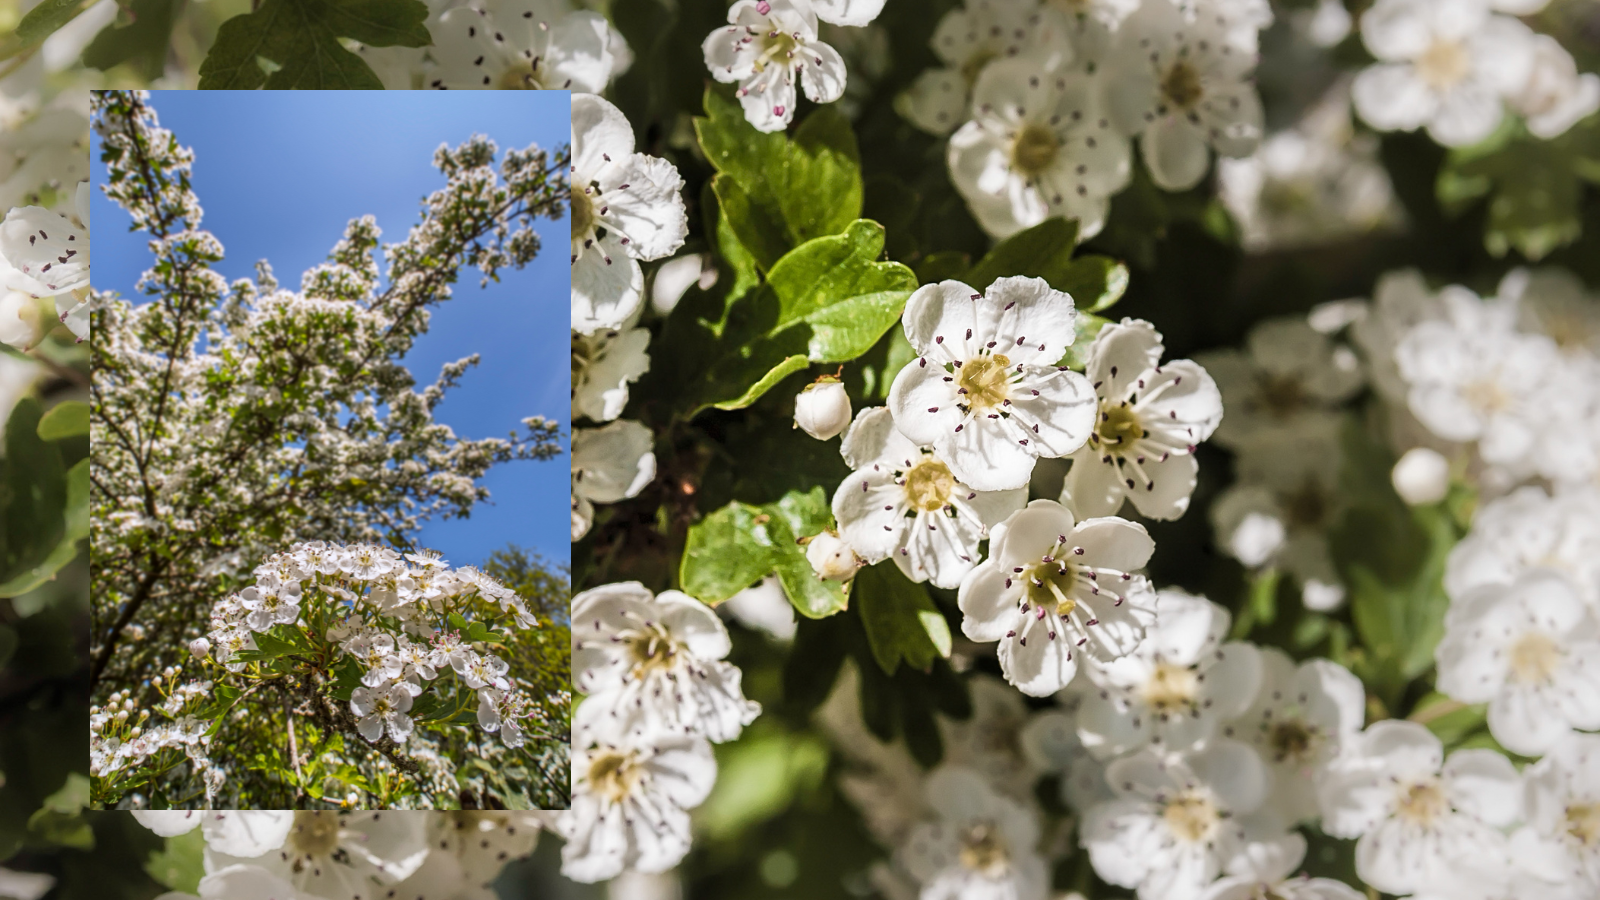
x: 311, y: 855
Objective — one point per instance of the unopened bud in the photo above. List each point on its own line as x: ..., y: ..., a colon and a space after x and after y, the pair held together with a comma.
x: 832, y: 558
x: 200, y: 647
x: 1422, y: 476
x: 822, y: 409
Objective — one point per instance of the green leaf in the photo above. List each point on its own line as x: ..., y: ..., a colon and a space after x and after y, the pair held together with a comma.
x: 272, y: 646
x: 829, y: 300
x: 222, y: 700
x: 60, y: 820
x: 181, y: 863
x: 1045, y: 251
x: 76, y: 528
x: 1086, y: 326
x: 900, y: 619
x: 739, y: 544
x: 40, y: 22
x: 347, y: 677
x: 777, y: 192
x: 33, y: 499
x: 142, y: 42
x: 301, y: 38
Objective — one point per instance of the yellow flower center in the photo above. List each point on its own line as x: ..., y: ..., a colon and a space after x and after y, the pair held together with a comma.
x: 1290, y: 739
x: 1171, y: 688
x: 582, y: 215
x: 1119, y: 426
x: 983, y: 849
x: 929, y: 484
x: 1034, y: 149
x: 1181, y: 86
x: 1049, y: 585
x: 1583, y: 823
x: 1422, y: 802
x: 777, y: 48
x: 521, y: 77
x: 315, y: 833
x: 614, y: 774
x: 652, y: 652
x: 1191, y: 816
x: 1444, y: 64
x: 1534, y: 658
x: 985, y: 379
x: 1486, y: 395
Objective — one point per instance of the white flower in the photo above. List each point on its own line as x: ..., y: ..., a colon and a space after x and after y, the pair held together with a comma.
x: 981, y: 846
x: 25, y: 885
x: 1303, y: 718
x: 1177, y: 685
x: 765, y: 45
x: 831, y: 558
x: 200, y: 648
x: 1266, y: 869
x: 822, y: 409
x: 765, y: 607
x: 1562, y: 796
x: 22, y: 319
x: 1175, y: 820
x: 241, y: 834
x: 610, y: 463
x: 515, y: 45
x: 1555, y: 96
x: 1416, y: 813
x: 1445, y: 64
x: 1554, y: 302
x: 1531, y: 650
x: 849, y: 13
x: 629, y: 805
x: 651, y: 663
x: 1065, y: 584
x: 966, y: 40
x: 1528, y: 529
x: 1037, y: 146
x: 485, y: 670
x: 1290, y: 476
x: 903, y: 502
x: 383, y: 709
x: 626, y: 207
x: 1421, y: 476
x: 995, y: 739
x: 603, y: 363
x: 48, y: 252
x: 337, y: 855
x: 1472, y: 377
x: 1149, y: 419
x: 985, y: 392
x: 1182, y: 86
x: 1289, y: 373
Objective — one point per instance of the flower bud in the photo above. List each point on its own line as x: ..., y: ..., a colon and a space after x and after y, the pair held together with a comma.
x: 200, y: 647
x: 1422, y: 476
x: 832, y: 558
x: 822, y: 409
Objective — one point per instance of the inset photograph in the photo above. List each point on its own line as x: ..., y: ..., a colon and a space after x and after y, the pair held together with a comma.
x: 328, y: 416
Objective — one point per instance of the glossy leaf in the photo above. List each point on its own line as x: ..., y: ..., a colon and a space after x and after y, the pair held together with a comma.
x: 301, y: 38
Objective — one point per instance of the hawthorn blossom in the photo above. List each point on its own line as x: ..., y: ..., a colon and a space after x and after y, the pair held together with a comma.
x: 1175, y: 821
x: 980, y: 845
x: 654, y: 665
x: 604, y: 362
x: 765, y: 47
x: 1266, y: 869
x: 1562, y: 814
x: 1531, y: 650
x: 985, y: 391
x: 1555, y: 96
x: 1182, y: 86
x: 630, y: 802
x: 515, y: 45
x: 1302, y: 718
x: 1287, y: 374
x: 1037, y: 146
x: 1526, y: 530
x: 1066, y: 584
x: 903, y: 503
x: 822, y: 408
x: 1150, y: 417
x: 1444, y: 64
x: 34, y: 262
x: 1415, y: 812
x: 967, y: 39
x: 337, y: 854
x: 383, y: 709
x: 609, y: 464
x: 1176, y: 687
x: 995, y: 740
x: 626, y: 207
x: 1554, y: 302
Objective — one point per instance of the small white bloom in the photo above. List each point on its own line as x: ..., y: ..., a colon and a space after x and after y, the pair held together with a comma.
x: 1562, y: 795
x: 995, y: 739
x: 903, y: 502
x: 1445, y: 64
x: 982, y: 845
x: 48, y: 252
x: 1415, y: 812
x: 1176, y: 818
x: 1290, y: 476
x: 1555, y: 96
x: 1554, y: 302
x: 1302, y: 719
x: 333, y: 855
x: 985, y: 392
x: 626, y: 207
x: 629, y: 805
x: 1176, y: 687
x: 831, y: 558
x: 764, y: 607
x: 822, y: 409
x: 1037, y: 146
x: 1526, y: 530
x: 1421, y: 476
x: 1064, y: 583
x: 655, y: 664
x: 1531, y: 650
x: 381, y: 709
x: 966, y: 40
x: 1288, y: 374
x: 609, y: 464
x: 1266, y: 869
x: 200, y: 648
x: 766, y: 44
x: 25, y: 885
x: 1150, y: 417
x: 1182, y: 86
x: 603, y: 363
x: 514, y: 45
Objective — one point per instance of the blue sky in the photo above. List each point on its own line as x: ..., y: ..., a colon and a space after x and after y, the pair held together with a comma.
x: 279, y: 174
